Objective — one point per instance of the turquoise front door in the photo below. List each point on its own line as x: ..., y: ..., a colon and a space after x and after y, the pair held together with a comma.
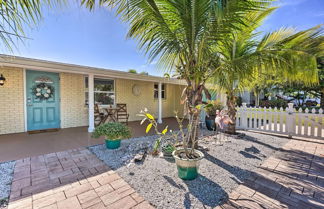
x: 43, y: 100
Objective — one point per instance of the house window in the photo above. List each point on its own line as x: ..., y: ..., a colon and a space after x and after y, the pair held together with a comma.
x: 104, y: 91
x: 156, y: 91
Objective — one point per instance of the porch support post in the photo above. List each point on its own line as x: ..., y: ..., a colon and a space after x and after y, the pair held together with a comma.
x: 91, y: 102
x: 160, y: 102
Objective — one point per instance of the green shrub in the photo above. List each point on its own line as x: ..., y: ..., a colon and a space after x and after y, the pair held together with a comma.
x: 274, y: 103
x: 112, y: 131
x: 212, y: 106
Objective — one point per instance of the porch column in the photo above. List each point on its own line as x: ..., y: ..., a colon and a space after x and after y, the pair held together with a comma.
x: 160, y: 102
x: 91, y: 102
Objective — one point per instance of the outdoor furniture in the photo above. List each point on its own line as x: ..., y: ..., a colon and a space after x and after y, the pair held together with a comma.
x: 111, y: 114
x: 122, y: 115
x: 100, y: 117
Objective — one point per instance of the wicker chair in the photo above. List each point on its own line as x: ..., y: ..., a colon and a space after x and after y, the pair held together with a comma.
x: 99, y: 116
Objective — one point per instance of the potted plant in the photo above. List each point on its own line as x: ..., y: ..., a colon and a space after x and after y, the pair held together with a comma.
x: 114, y: 133
x: 210, y: 109
x: 186, y: 156
x: 167, y: 150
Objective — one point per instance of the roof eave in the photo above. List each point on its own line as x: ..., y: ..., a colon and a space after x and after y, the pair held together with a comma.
x: 36, y: 64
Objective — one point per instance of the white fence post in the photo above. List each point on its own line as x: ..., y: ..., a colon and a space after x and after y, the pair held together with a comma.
x: 243, y: 117
x: 290, y: 120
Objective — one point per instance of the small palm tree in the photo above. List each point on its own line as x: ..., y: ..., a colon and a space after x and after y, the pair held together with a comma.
x: 245, y: 59
x: 181, y: 35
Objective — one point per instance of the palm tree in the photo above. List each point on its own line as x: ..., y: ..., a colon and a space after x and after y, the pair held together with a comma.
x: 244, y: 57
x: 18, y: 14
x: 181, y: 35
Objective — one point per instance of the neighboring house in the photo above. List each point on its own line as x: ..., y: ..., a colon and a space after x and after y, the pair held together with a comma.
x: 40, y: 94
x: 247, y: 97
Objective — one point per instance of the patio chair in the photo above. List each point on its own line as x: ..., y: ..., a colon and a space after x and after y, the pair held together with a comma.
x: 122, y: 115
x: 99, y: 117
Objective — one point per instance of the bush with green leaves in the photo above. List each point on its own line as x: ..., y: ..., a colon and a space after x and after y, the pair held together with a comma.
x: 278, y: 103
x: 112, y: 131
x: 212, y: 106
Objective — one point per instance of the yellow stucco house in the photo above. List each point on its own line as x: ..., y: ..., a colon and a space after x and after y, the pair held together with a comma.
x: 39, y: 94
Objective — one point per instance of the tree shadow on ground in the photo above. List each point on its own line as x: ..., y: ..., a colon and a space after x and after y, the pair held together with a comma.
x: 248, y: 155
x: 199, y: 189
x: 252, y: 152
x: 255, y: 140
x: 293, y: 185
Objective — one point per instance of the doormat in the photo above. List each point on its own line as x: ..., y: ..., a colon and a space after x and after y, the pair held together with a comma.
x: 43, y: 131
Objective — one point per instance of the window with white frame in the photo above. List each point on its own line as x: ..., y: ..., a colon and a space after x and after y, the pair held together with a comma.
x: 156, y: 91
x: 104, y: 91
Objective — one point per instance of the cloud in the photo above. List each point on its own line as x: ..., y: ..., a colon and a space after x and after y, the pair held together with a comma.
x: 148, y: 65
x: 283, y: 3
x: 321, y: 14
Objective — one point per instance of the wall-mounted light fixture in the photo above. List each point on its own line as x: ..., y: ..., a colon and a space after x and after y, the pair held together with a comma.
x: 2, y: 80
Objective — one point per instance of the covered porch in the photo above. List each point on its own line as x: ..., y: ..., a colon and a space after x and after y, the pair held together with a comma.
x: 22, y: 145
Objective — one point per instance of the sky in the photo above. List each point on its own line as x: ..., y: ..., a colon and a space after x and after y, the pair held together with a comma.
x: 72, y: 34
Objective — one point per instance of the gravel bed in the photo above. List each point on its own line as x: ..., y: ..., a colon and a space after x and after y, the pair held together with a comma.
x: 225, y: 165
x: 6, y: 174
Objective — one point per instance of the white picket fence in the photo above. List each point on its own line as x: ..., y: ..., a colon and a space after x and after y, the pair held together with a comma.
x: 287, y: 121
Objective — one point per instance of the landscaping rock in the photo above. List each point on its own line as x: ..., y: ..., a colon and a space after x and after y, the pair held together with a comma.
x: 222, y: 169
x: 6, y: 174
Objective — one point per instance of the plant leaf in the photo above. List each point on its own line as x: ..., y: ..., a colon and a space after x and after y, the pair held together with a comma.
x: 149, y: 116
x: 144, y: 119
x: 148, y: 128
x: 165, y: 130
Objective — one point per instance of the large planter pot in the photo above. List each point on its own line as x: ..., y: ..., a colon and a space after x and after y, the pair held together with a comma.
x: 112, y: 144
x: 210, y: 123
x: 187, y: 168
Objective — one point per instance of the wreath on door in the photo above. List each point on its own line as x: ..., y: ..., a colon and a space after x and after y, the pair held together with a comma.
x: 43, y: 91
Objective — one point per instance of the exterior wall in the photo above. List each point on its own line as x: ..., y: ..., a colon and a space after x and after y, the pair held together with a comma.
x: 246, y: 97
x: 146, y: 100
x: 74, y: 113
x: 73, y: 110
x: 12, y: 101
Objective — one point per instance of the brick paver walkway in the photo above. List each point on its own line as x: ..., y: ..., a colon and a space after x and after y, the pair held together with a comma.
x: 292, y: 178
x: 72, y: 179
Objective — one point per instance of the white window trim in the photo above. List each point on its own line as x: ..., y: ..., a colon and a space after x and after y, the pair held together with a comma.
x: 104, y: 78
x: 165, y: 91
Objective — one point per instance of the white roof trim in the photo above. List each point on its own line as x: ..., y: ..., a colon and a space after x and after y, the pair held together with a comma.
x: 36, y: 64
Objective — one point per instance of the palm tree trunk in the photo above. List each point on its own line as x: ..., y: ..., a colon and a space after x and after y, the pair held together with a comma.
x: 322, y: 99
x: 231, y: 102
x: 194, y: 98
x: 257, y: 98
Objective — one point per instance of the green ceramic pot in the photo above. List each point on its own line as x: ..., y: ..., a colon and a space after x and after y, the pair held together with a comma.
x: 112, y: 144
x: 187, y: 168
x: 210, y: 123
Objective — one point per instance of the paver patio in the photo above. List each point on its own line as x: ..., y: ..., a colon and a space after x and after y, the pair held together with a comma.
x: 70, y: 179
x: 292, y: 178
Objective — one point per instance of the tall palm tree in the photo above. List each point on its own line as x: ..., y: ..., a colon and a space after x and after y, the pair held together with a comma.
x: 181, y: 35
x: 243, y: 57
x: 16, y: 15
